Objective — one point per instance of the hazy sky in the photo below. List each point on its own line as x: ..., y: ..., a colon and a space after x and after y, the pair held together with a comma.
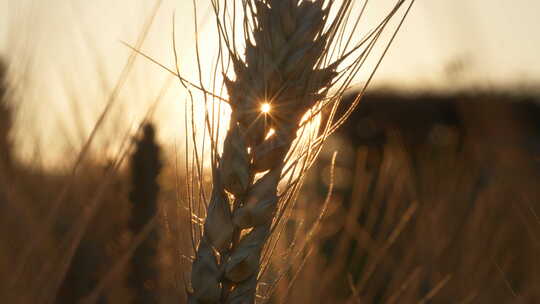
x: 64, y: 45
x: 498, y: 38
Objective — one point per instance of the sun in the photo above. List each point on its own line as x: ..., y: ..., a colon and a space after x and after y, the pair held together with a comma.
x: 265, y: 108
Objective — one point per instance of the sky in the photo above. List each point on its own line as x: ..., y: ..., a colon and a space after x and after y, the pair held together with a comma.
x: 67, y: 54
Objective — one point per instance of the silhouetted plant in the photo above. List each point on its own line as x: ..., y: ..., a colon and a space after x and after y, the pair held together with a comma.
x: 145, y: 168
x: 5, y: 118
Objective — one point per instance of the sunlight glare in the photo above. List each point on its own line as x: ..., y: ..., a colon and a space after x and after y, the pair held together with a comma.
x: 265, y: 108
x: 270, y: 133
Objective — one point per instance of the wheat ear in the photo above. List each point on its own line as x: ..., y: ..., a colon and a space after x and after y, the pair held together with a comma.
x: 280, y: 70
x: 289, y: 68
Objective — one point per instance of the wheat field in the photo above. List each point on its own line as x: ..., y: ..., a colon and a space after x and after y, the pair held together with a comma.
x: 291, y: 181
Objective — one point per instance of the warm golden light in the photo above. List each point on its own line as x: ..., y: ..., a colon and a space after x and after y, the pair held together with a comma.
x: 270, y: 133
x: 265, y: 108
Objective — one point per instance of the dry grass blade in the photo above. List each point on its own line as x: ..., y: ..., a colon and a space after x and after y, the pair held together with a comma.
x: 118, y: 266
x: 435, y: 290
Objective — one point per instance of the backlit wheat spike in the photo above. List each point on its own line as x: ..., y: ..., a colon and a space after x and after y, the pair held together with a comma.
x: 286, y: 68
x: 281, y: 68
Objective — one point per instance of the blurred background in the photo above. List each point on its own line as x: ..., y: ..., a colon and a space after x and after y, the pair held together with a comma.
x: 70, y: 54
x: 435, y: 190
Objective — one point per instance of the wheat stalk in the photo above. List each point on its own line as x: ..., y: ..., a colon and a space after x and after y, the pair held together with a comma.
x: 290, y: 68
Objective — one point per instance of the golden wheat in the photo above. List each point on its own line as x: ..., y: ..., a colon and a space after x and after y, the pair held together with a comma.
x: 290, y: 68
